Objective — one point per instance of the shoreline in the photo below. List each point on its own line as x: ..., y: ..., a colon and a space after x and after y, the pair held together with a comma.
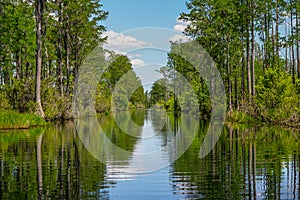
x: 23, y: 121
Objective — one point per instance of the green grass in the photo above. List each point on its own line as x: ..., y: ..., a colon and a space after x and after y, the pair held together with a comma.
x: 15, y: 120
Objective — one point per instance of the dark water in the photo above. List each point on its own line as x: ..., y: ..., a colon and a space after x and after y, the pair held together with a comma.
x: 246, y: 163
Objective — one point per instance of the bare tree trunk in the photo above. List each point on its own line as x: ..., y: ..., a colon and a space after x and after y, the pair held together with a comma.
x: 292, y: 36
x: 266, y: 41
x: 252, y: 51
x: 39, y: 8
x: 297, y: 42
x: 67, y: 50
x: 248, y: 65
x: 18, y: 65
x: 277, y: 31
x: 236, y: 93
x: 229, y: 80
x: 273, y: 44
x: 286, y: 47
x: 60, y: 46
x: 243, y: 60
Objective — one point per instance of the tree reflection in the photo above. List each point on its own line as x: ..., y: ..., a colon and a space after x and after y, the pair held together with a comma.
x: 247, y: 162
x: 49, y: 163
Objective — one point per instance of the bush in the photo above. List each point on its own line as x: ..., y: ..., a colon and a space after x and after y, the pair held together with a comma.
x: 241, y: 117
x: 4, y: 103
x: 276, y: 98
x: 55, y: 106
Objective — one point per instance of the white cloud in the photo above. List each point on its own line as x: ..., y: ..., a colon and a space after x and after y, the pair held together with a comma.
x: 133, y: 56
x: 120, y: 42
x: 137, y: 62
x: 181, y: 25
x: 180, y: 38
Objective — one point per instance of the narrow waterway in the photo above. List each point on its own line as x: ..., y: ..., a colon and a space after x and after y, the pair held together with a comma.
x: 57, y: 162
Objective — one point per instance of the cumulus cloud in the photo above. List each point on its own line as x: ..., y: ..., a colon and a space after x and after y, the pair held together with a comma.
x: 137, y: 62
x: 180, y: 26
x: 120, y: 42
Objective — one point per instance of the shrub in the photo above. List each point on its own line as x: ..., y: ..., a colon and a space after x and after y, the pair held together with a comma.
x: 276, y: 98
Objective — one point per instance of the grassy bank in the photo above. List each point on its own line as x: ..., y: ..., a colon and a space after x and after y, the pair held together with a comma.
x: 15, y: 120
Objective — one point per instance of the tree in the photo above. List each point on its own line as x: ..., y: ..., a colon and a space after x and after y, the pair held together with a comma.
x: 157, y: 93
x: 42, y: 45
x: 39, y: 12
x: 244, y: 38
x: 120, y: 80
x: 276, y: 96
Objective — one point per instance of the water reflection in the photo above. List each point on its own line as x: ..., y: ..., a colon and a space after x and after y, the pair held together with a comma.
x: 137, y: 149
x: 246, y: 163
x: 48, y: 163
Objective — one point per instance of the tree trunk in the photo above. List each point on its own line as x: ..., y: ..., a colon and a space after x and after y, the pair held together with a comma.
x: 266, y: 42
x: 273, y: 45
x: 252, y: 51
x: 248, y: 64
x: 292, y: 45
x: 286, y: 47
x: 297, y: 42
x: 229, y: 80
x: 277, y: 31
x: 67, y: 50
x: 236, y: 93
x: 60, y: 46
x: 39, y: 19
x: 18, y: 65
x: 243, y: 61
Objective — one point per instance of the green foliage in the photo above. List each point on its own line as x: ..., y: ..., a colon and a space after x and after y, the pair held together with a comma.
x: 188, y: 102
x: 119, y: 79
x: 21, y: 95
x: 103, y: 98
x: 4, y: 103
x: 246, y: 42
x: 241, y: 117
x: 161, y: 94
x: 170, y: 104
x: 15, y: 120
x: 55, y: 106
x: 276, y: 98
x: 120, y: 100
x: 297, y: 85
x: 70, y: 31
x: 158, y: 92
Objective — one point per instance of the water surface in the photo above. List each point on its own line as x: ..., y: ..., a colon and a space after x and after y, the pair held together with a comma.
x: 247, y: 162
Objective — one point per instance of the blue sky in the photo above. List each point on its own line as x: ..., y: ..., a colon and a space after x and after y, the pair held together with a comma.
x: 142, y: 30
x: 129, y: 14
